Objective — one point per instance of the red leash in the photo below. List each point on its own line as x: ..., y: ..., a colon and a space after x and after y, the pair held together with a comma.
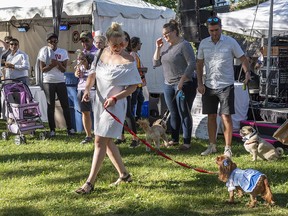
x: 156, y: 150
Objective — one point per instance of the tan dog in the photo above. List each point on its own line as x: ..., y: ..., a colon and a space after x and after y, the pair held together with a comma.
x: 257, y: 146
x: 154, y: 133
x: 250, y: 181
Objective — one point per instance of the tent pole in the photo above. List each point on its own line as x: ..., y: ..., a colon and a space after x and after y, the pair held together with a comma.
x: 269, y: 52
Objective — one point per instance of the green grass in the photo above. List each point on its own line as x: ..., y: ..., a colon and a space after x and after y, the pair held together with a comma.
x: 39, y: 178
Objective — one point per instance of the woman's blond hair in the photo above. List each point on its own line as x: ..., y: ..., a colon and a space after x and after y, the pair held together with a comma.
x: 114, y: 30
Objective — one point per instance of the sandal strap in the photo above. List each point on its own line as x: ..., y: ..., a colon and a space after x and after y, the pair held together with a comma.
x: 124, y: 178
x: 90, y: 185
x: 84, y: 189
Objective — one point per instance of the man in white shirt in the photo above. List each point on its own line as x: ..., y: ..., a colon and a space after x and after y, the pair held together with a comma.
x: 17, y: 63
x: 217, y: 53
x: 53, y: 63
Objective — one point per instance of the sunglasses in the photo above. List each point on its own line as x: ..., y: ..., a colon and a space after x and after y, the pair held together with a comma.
x: 14, y: 44
x: 53, y: 41
x: 213, y: 20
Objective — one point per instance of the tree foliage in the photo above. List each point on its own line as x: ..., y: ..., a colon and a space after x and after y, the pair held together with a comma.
x: 167, y: 3
x: 241, y: 4
x: 244, y: 4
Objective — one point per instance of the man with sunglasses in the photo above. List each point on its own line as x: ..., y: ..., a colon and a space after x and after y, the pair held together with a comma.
x: 53, y: 63
x: 217, y: 53
x: 17, y: 63
x: 86, y: 39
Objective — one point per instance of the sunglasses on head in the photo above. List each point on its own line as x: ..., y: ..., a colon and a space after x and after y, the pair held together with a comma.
x: 213, y: 20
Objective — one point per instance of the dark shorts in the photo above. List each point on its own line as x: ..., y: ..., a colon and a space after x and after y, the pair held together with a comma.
x: 84, y: 106
x: 212, y: 98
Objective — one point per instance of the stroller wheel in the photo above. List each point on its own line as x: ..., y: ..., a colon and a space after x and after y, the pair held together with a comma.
x: 43, y: 135
x: 17, y: 140
x: 32, y: 134
x: 20, y: 139
x: 5, y: 135
x: 23, y: 139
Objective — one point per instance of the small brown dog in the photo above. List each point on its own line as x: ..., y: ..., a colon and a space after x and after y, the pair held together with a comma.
x: 249, y: 181
x: 154, y: 133
x: 257, y: 146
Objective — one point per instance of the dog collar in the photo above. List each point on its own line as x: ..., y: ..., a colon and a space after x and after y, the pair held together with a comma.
x: 247, y: 137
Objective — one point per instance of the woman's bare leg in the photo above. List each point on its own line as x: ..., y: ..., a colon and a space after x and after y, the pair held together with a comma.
x: 115, y: 157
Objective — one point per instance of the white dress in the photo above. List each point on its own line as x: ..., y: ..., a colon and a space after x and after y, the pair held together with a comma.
x: 112, y: 79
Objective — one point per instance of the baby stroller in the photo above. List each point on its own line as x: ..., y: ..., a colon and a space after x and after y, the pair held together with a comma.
x: 22, y: 112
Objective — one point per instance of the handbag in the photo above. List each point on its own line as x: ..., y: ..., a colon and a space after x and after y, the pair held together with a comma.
x: 281, y: 134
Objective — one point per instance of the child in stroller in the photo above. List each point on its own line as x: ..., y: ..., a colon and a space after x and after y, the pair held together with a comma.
x: 22, y: 112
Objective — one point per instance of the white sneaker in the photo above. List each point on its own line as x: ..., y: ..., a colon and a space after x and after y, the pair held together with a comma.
x: 228, y: 152
x: 211, y: 149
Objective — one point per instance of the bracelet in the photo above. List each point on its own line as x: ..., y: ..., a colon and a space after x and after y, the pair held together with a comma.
x: 114, y: 99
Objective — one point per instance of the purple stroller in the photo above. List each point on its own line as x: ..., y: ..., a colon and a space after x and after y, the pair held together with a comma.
x: 22, y: 112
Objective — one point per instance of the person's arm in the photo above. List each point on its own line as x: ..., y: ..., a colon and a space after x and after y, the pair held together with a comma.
x: 189, y: 56
x: 62, y: 65
x: 246, y: 69
x: 123, y: 94
x: 24, y: 63
x: 199, y: 66
x: 4, y: 44
x: 89, y: 84
x: 156, y: 56
x: 45, y: 68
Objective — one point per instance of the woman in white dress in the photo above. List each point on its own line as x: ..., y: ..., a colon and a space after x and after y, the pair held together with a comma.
x: 116, y: 77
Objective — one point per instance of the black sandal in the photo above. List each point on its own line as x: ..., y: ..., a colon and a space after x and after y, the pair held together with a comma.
x: 123, y: 179
x: 87, y: 188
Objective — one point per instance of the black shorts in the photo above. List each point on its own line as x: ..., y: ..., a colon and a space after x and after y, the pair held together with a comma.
x: 84, y: 106
x: 212, y: 97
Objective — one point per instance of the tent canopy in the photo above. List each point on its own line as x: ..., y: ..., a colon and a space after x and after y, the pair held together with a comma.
x: 138, y: 17
x: 22, y: 9
x: 242, y: 21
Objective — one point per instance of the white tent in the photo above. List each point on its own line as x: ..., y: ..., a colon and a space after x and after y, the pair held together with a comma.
x: 242, y: 21
x: 139, y: 18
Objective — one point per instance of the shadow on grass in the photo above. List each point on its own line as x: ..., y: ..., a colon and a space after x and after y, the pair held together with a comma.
x: 17, y: 211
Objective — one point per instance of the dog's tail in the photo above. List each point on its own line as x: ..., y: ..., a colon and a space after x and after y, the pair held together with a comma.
x: 280, y: 151
x: 267, y: 195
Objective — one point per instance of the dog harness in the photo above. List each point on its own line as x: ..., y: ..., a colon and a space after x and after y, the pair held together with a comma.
x: 247, y: 137
x: 246, y: 179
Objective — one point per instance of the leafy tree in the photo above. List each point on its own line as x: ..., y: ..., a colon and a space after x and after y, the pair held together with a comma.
x: 167, y: 3
x: 244, y: 4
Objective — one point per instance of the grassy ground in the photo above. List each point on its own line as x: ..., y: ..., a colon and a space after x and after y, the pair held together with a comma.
x: 39, y: 178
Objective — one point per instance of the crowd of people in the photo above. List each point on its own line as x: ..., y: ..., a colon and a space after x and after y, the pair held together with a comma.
x: 111, y: 79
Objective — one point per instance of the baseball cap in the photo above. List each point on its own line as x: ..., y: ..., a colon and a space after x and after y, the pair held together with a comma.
x: 86, y: 34
x: 51, y: 35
